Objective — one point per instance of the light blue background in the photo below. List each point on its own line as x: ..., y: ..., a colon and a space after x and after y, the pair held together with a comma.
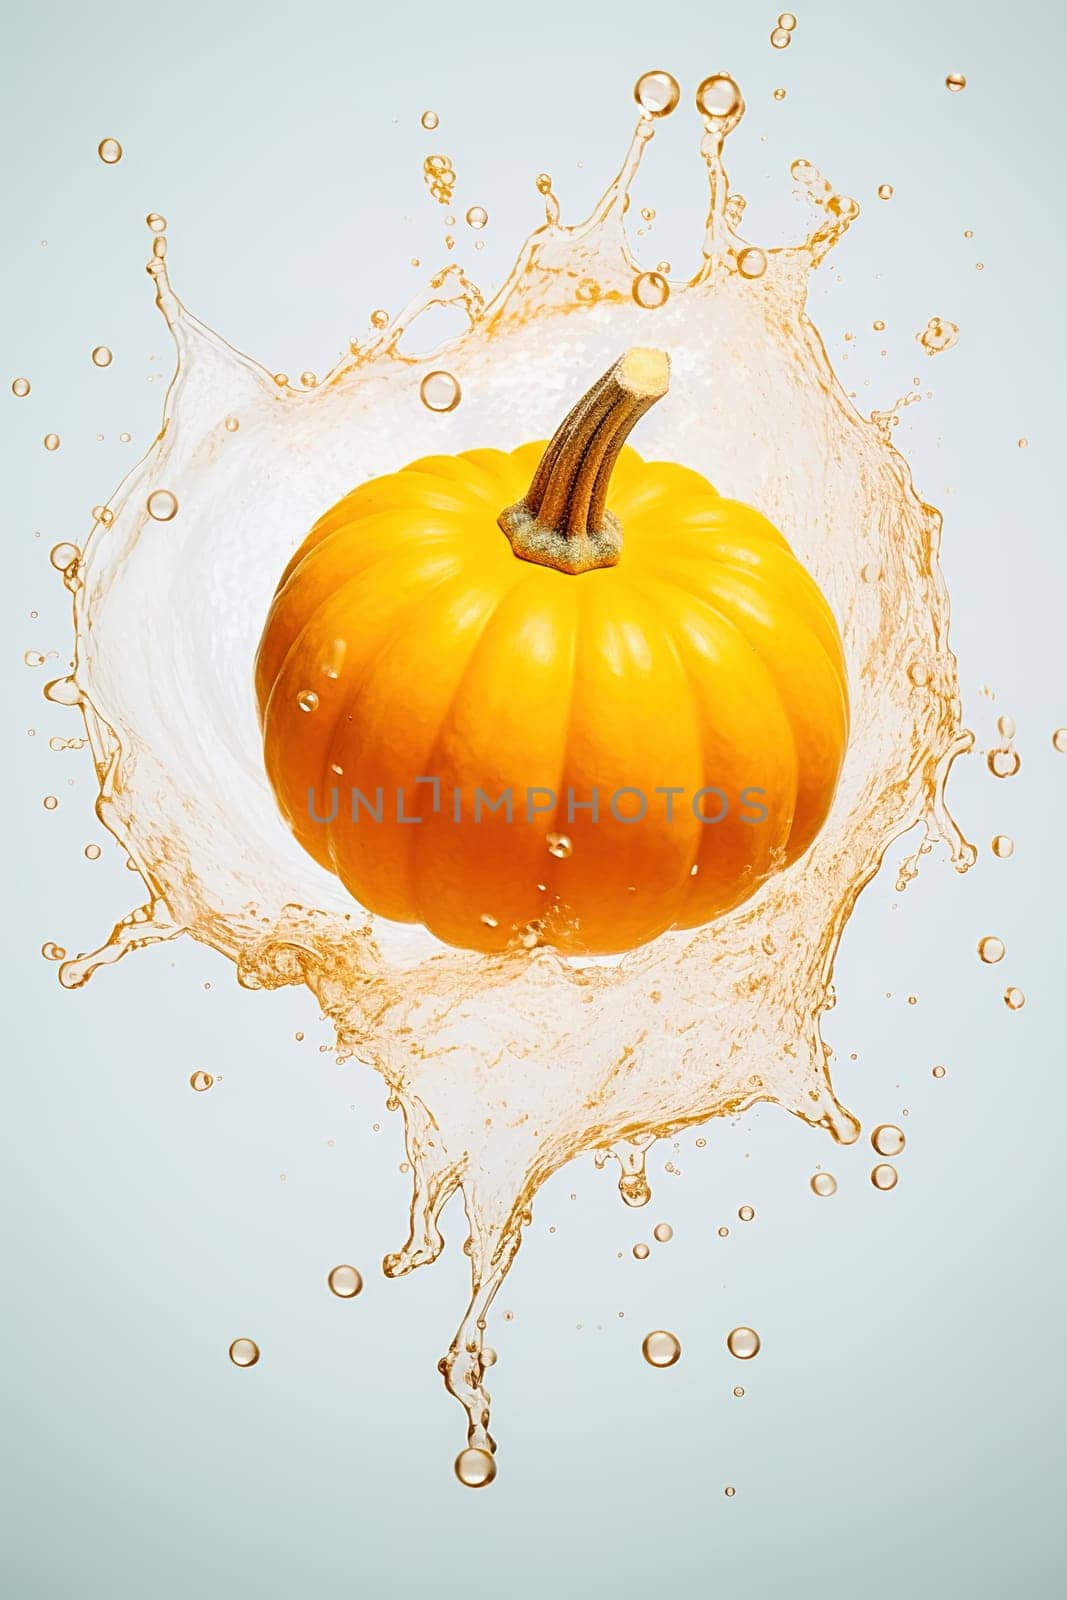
x: 902, y: 1429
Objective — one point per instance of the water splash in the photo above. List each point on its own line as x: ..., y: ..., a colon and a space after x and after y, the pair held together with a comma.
x: 503, y: 1068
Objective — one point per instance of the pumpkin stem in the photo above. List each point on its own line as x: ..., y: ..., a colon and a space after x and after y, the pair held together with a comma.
x: 564, y: 522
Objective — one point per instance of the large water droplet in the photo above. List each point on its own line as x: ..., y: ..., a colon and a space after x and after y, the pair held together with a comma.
x: 244, y: 1352
x: 744, y: 1343
x: 109, y: 151
x: 475, y: 1468
x: 990, y: 949
x: 888, y: 1139
x: 477, y: 217
x: 884, y: 1176
x: 781, y: 38
x: 660, y: 1348
x: 345, y: 1282
x: 657, y: 93
x: 1003, y: 763
x: 823, y: 1183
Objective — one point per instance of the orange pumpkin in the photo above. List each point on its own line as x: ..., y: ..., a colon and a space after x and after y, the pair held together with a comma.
x: 659, y: 687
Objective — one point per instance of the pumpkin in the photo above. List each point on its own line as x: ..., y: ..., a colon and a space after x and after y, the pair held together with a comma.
x: 555, y: 695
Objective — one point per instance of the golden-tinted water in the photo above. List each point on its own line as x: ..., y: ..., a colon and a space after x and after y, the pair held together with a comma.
x: 502, y: 1069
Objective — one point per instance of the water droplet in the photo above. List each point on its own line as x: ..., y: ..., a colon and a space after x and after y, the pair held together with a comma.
x: 720, y: 101
x: 92, y: 852
x: 888, y: 1139
x: 475, y: 1468
x: 231, y: 424
x: 162, y: 505
x: 657, y: 93
x: 488, y: 1356
x: 309, y: 380
x: 1003, y: 763
x: 477, y: 217
x: 787, y: 21
x: 751, y: 263
x: 885, y: 191
x: 739, y: 1392
x: 33, y: 658
x: 53, y: 952
x: 124, y: 438
x: 781, y: 38
x: 102, y: 356
x: 20, y: 388
x: 200, y: 1081
x: 440, y: 391
x: 307, y: 700
x: 990, y: 950
x: 50, y: 802
x: 938, y: 335
x: 746, y: 1213
x: 244, y: 1352
x: 779, y: 94
x: 51, y: 441
x: 1006, y: 727
x: 104, y: 515
x: 724, y: 1233
x: 662, y: 1232
x: 488, y: 920
x: 1014, y: 998
x: 744, y: 1343
x: 651, y: 290
x: 954, y: 82
x: 823, y: 1183
x: 1059, y: 740
x: 641, y: 1252
x: 660, y: 1348
x: 63, y: 556
x: 884, y: 1176
x: 157, y: 223
x: 878, y: 326
x: 282, y: 380
x: 937, y: 1072
x: 345, y: 1282
x: 544, y: 183
x: 430, y: 120
x: 109, y: 151
x: 379, y: 318
x: 729, y: 1491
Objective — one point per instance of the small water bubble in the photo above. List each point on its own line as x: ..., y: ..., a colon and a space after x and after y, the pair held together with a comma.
x: 651, y: 290
x: 157, y: 223
x: 379, y: 318
x: 1022, y: 444
x: 660, y: 1348
x: 954, y: 82
x: 309, y: 380
x: 430, y: 120
x: 884, y: 1176
x: 102, y: 356
x: 641, y: 1252
x: 746, y: 1213
x: 307, y: 700
x: 51, y: 441
x: 489, y: 1357
x: 823, y: 1184
x: 20, y: 388
x: 345, y: 1282
x: 657, y: 93
x: 724, y: 1233
x: 752, y: 262
x: 475, y: 1468
x: 92, y: 852
x: 888, y: 1139
x: 559, y: 846
x: 779, y: 94
x: 938, y: 335
x: 53, y: 952
x: 1006, y: 727
x: 488, y: 920
x: 103, y: 515
x: 477, y: 217
x: 50, y: 802
x: 990, y: 950
x: 1003, y: 763
x: 662, y: 1232
x: 787, y: 21
x: 244, y: 1352
x: 109, y: 151
x: 63, y: 556
x: 200, y: 1081
x: 781, y: 38
x: 744, y: 1343
x: 34, y: 658
x: 938, y: 1071
x: 729, y: 1491
x: 1059, y: 740
x: 440, y: 391
x: 231, y: 424
x: 124, y: 438
x: 162, y: 505
x: 282, y: 380
x: 885, y: 191
x: 738, y: 1392
x: 1014, y: 998
x: 878, y: 326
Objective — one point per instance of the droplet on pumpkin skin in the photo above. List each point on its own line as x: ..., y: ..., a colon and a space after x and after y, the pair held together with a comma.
x: 657, y: 93
x: 559, y: 845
